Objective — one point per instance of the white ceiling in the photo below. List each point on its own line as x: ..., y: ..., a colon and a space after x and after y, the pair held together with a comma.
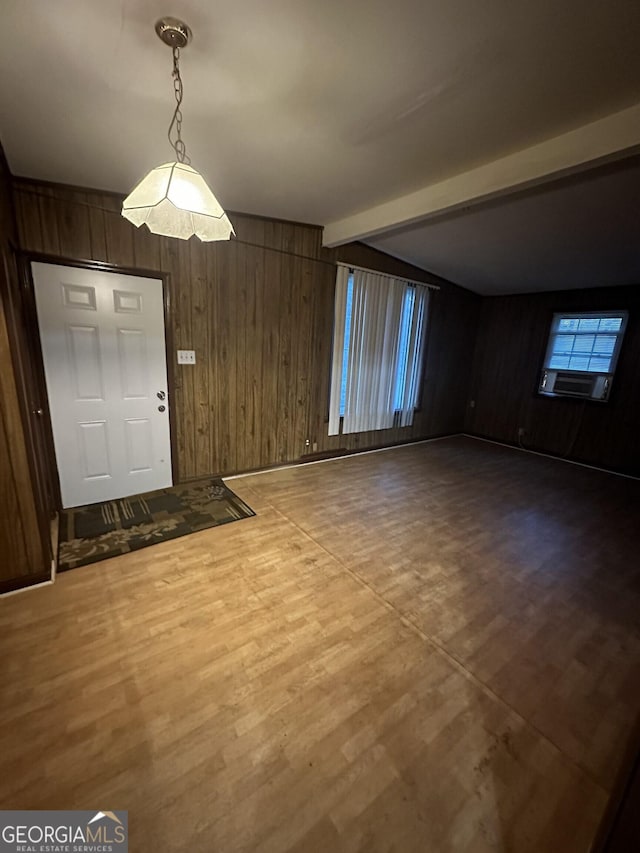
x: 356, y: 115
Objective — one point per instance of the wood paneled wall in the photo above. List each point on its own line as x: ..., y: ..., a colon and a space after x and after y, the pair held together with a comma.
x: 511, y: 343
x: 22, y: 551
x: 258, y: 311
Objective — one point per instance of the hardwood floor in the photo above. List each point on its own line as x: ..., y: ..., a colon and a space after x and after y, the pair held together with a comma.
x: 434, y: 648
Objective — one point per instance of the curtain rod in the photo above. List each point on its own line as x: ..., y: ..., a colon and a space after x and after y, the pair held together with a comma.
x: 388, y: 275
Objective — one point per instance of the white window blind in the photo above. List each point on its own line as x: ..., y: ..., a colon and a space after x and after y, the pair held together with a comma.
x: 586, y: 343
x: 377, y: 351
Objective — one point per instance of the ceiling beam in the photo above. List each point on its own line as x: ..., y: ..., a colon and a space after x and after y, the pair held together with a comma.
x: 608, y: 138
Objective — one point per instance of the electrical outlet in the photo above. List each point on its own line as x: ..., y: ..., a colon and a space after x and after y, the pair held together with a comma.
x: 186, y: 356
x: 521, y: 432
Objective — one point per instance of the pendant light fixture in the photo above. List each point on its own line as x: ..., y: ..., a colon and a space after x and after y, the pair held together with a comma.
x: 174, y: 199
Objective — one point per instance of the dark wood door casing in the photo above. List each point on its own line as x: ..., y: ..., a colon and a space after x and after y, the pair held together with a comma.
x: 24, y: 518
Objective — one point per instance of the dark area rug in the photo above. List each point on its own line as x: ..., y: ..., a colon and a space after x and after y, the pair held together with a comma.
x: 96, y: 532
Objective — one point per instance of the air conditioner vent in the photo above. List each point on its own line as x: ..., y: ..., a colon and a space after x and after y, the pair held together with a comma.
x: 568, y: 384
x: 589, y: 386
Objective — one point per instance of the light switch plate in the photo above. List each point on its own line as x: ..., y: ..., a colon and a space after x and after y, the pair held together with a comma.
x: 186, y: 356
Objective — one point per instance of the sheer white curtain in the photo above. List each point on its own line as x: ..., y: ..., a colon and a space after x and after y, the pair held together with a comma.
x: 382, y: 371
x: 409, y: 389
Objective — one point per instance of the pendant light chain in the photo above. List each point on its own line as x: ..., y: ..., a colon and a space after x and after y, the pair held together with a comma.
x: 178, y: 146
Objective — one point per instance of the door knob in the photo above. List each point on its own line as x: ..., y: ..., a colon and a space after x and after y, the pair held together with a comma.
x: 161, y: 395
x: 39, y: 412
x: 161, y: 408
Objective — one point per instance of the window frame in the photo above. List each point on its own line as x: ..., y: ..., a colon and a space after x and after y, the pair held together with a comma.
x: 577, y: 374
x: 432, y: 290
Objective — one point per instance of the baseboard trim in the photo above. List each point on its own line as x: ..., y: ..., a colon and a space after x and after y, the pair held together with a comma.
x: 550, y: 456
x: 304, y: 461
x: 25, y: 584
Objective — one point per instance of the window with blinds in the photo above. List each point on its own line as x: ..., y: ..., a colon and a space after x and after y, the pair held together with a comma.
x: 582, y: 353
x: 378, y: 349
x: 401, y: 371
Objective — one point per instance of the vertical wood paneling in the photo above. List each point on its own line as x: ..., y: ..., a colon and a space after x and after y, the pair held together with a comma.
x: 48, y: 213
x: 284, y: 436
x: 254, y: 263
x: 29, y: 229
x: 212, y: 302
x: 259, y: 313
x: 271, y: 347
x: 119, y: 235
x: 12, y: 535
x: 74, y: 231
x: 320, y: 357
x: 240, y: 298
x: 200, y: 331
x: 97, y: 228
x: 146, y: 249
x: 234, y: 333
x: 22, y: 552
x: 188, y: 403
x: 225, y: 362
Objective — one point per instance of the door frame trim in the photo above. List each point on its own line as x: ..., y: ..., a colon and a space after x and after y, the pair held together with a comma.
x: 27, y: 383
x: 25, y: 259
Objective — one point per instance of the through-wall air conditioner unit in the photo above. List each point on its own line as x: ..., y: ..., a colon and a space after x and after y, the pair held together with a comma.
x: 589, y: 386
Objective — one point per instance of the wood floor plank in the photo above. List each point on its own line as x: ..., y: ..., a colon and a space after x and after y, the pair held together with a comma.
x: 413, y: 650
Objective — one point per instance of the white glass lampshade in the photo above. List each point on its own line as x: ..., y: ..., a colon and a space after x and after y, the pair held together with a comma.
x: 174, y: 200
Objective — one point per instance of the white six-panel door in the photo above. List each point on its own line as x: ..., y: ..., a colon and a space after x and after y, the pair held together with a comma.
x: 103, y: 346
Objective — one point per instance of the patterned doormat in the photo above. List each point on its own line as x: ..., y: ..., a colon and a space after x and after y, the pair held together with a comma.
x: 96, y: 532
